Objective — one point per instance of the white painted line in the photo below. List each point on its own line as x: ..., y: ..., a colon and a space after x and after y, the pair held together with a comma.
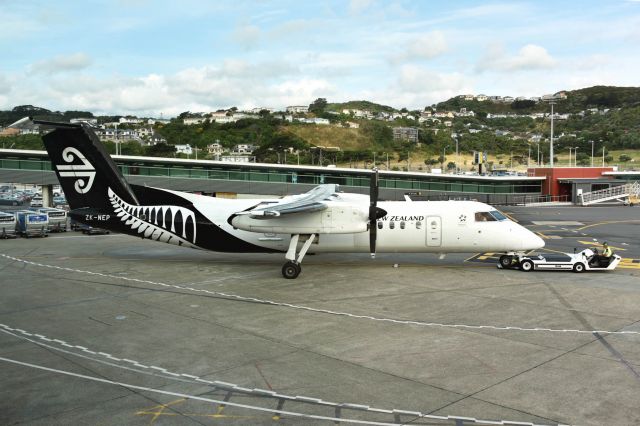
x: 234, y: 404
x: 350, y: 315
x: 557, y: 222
x: 250, y: 391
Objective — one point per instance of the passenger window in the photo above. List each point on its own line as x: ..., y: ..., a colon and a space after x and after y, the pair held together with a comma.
x: 401, y: 225
x: 418, y: 225
x: 380, y: 225
x: 392, y: 225
x: 484, y: 217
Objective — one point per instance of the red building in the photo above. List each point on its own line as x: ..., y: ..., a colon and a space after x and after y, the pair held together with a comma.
x: 552, y: 184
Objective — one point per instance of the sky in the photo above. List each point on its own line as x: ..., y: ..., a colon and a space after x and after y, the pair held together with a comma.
x: 160, y: 58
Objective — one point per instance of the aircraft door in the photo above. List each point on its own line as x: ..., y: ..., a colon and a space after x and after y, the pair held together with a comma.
x: 434, y: 231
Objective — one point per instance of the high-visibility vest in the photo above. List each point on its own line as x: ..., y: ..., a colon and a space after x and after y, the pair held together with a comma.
x: 607, y: 252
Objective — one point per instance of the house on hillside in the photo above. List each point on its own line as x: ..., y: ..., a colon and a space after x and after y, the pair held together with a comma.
x: 298, y: 109
x: 184, y: 149
x: 409, y: 134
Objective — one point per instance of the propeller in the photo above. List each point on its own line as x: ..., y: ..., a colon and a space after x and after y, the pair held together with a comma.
x: 374, y: 212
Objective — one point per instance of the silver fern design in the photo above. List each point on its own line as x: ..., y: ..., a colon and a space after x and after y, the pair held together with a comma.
x: 156, y: 222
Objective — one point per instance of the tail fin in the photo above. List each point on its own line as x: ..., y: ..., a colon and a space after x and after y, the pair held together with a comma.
x: 84, y: 168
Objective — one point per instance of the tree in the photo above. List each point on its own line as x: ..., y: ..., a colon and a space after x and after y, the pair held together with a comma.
x: 318, y: 106
x: 160, y: 150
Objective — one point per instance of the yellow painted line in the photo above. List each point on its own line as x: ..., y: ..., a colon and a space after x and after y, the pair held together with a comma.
x: 608, y: 222
x: 159, y: 410
x: 629, y: 265
x: 596, y: 244
x: 482, y: 257
x: 513, y: 219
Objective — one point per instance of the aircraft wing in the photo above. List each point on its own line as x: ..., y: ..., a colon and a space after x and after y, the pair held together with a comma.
x: 311, y: 201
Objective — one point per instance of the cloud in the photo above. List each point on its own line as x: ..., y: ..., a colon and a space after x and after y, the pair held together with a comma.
x: 5, y: 85
x: 417, y: 86
x: 425, y: 46
x: 61, y: 63
x: 529, y: 57
x: 247, y: 36
x: 358, y: 6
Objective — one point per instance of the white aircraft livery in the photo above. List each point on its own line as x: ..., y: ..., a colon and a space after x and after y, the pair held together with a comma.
x: 319, y: 221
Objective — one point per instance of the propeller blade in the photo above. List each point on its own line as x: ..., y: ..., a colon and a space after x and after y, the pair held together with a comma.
x: 373, y: 212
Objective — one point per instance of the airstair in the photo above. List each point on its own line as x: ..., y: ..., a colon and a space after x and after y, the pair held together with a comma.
x: 622, y: 193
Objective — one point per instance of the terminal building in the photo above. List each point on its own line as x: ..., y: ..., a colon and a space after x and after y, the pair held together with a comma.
x: 237, y: 180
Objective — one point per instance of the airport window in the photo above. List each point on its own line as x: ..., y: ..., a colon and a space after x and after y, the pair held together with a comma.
x: 418, y: 225
x: 380, y: 225
x: 484, y: 217
x: 402, y: 225
x: 392, y: 225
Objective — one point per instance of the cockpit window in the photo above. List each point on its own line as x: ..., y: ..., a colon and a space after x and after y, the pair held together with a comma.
x: 484, y: 217
x: 498, y: 215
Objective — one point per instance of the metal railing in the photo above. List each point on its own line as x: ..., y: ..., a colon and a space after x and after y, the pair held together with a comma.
x: 611, y: 193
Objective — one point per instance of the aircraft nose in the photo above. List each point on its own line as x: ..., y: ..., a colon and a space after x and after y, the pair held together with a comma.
x: 531, y: 241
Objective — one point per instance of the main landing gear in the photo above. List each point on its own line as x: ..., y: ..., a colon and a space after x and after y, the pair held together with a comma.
x: 292, y: 268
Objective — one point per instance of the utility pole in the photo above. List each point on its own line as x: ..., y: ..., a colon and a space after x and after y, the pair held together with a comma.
x: 575, y: 157
x: 591, y: 153
x: 456, y: 155
x: 552, y: 103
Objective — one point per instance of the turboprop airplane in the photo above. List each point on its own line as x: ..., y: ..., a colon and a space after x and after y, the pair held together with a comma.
x: 320, y: 221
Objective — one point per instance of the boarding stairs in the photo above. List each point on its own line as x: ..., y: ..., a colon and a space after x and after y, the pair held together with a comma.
x: 622, y: 193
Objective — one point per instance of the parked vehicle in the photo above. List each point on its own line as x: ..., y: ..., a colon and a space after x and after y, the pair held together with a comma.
x: 86, y: 229
x: 10, y: 200
x: 32, y: 224
x: 586, y: 260
x: 7, y: 225
x: 59, y: 201
x: 57, y: 218
x: 37, y: 201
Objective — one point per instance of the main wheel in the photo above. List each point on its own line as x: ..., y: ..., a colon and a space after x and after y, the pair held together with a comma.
x: 578, y: 267
x: 505, y: 261
x: 526, y: 265
x: 291, y: 270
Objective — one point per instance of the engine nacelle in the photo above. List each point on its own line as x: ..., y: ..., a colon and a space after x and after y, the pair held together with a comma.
x: 336, y: 219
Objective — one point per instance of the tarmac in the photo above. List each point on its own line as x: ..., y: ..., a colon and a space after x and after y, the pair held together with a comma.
x: 116, y: 330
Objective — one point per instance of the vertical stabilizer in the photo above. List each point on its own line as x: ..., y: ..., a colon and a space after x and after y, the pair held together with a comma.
x: 84, y: 168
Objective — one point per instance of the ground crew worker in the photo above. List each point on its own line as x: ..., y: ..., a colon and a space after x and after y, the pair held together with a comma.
x: 606, y: 250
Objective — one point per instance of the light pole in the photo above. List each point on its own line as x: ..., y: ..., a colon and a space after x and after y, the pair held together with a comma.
x: 444, y: 150
x: 570, y: 148
x: 602, y: 155
x: 115, y: 138
x: 591, y: 153
x: 529, y: 156
x: 552, y: 103
x: 575, y: 156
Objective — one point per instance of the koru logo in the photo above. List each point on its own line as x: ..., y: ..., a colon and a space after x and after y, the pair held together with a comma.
x: 85, y: 172
x: 462, y: 218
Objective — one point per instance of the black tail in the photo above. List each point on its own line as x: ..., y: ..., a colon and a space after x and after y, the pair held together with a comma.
x: 84, y: 168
